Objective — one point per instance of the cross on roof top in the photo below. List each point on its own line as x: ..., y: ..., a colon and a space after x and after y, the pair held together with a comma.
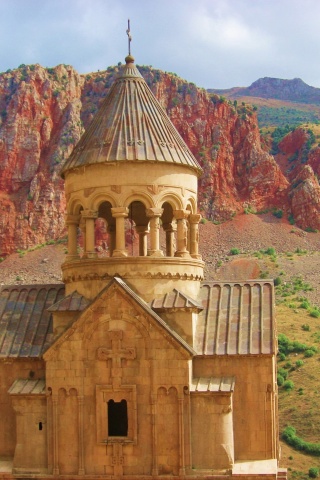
x: 129, y: 37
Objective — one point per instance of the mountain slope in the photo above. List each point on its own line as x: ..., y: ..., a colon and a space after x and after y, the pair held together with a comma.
x: 295, y: 90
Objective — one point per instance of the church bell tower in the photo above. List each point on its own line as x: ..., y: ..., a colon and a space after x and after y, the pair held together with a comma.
x: 132, y: 169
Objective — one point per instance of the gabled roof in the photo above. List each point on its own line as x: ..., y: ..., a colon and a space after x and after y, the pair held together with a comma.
x: 167, y: 330
x: 75, y: 302
x: 238, y: 319
x: 130, y: 126
x: 175, y: 300
x: 25, y: 323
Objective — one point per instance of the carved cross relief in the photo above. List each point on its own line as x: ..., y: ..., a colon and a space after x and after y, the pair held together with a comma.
x: 116, y: 354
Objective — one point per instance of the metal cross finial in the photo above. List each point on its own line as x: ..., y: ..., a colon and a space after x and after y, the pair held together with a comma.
x: 129, y: 36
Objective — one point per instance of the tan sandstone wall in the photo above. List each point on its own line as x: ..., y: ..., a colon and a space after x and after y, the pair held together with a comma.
x: 254, y: 408
x: 10, y: 370
x: 115, y: 351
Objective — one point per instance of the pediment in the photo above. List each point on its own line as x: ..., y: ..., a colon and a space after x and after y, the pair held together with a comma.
x: 118, y: 302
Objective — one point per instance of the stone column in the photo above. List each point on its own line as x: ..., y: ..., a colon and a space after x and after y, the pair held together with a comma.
x: 120, y: 214
x: 72, y: 222
x: 112, y: 239
x: 182, y: 469
x: 55, y: 435
x: 194, y: 235
x: 81, y: 470
x: 142, y: 231
x: 154, y: 434
x: 182, y: 232
x: 154, y: 214
x: 89, y: 216
x: 50, y: 430
x: 169, y: 229
x: 82, y: 226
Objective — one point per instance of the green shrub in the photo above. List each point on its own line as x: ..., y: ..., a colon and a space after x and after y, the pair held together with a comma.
x: 305, y: 327
x: 313, y: 472
x: 290, y: 437
x: 288, y: 385
x: 234, y: 251
x: 314, y: 312
x: 299, y: 363
x: 291, y: 219
x: 277, y: 281
x: 309, y: 353
x: 270, y: 251
x: 283, y: 373
x: 304, y: 304
x: 280, y: 380
x: 278, y: 213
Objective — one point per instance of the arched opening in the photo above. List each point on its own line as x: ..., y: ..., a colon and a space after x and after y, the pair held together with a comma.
x: 105, y: 230
x: 169, y: 228
x: 137, y: 229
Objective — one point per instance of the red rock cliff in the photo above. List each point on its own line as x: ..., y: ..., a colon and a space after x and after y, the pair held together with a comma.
x: 43, y: 112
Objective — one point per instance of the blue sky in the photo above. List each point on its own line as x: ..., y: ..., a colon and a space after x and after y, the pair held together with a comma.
x: 213, y: 43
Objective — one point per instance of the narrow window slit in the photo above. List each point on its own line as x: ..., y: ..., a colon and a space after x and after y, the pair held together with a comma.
x: 117, y: 418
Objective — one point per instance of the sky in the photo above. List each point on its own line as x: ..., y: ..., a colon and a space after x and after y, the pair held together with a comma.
x: 212, y: 43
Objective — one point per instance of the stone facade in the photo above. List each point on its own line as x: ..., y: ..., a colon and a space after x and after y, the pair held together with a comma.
x: 138, y: 368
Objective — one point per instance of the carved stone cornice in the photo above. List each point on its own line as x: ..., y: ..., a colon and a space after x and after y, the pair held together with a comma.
x: 143, y: 275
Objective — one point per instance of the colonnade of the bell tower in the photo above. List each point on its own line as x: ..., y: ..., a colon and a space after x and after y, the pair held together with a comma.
x: 181, y: 231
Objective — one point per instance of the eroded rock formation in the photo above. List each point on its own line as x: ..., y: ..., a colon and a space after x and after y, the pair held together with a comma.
x: 44, y: 111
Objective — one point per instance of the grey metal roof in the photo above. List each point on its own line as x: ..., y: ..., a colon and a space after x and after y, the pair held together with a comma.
x: 173, y: 300
x: 238, y: 319
x: 212, y: 384
x: 130, y: 125
x: 28, y: 387
x: 75, y: 302
x: 25, y: 323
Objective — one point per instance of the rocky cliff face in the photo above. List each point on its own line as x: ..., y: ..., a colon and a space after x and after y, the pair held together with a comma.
x: 44, y: 111
x: 302, y: 168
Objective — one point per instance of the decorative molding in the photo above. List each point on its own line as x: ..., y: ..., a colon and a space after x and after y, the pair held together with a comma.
x: 154, y: 188
x: 115, y: 188
x: 148, y: 275
x: 88, y: 191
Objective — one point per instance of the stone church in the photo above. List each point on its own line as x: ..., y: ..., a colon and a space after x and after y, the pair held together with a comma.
x: 137, y: 367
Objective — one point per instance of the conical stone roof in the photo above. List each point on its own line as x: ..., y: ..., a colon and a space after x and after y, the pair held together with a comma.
x: 130, y: 126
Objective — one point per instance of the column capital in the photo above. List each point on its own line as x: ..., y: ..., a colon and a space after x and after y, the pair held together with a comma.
x: 87, y: 213
x: 181, y: 214
x: 169, y: 227
x: 154, y: 212
x: 142, y: 228
x: 119, y: 212
x: 195, y: 217
x: 72, y: 219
